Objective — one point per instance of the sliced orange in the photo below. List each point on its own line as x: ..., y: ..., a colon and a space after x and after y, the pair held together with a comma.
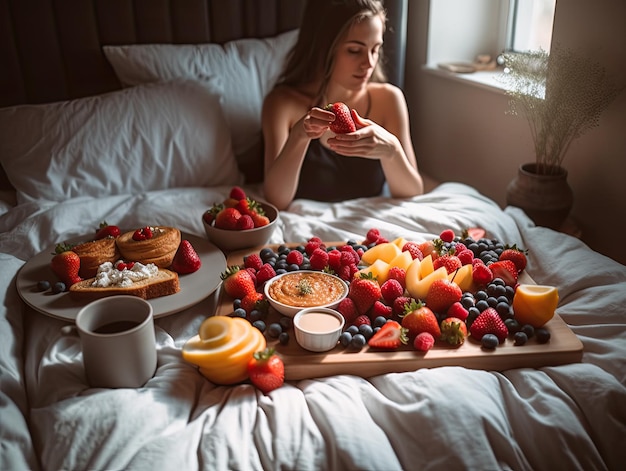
x: 535, y: 304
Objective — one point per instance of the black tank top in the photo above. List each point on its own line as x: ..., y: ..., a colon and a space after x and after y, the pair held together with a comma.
x: 328, y: 176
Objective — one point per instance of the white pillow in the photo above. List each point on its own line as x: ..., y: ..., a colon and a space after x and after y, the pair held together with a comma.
x: 125, y: 142
x: 248, y: 69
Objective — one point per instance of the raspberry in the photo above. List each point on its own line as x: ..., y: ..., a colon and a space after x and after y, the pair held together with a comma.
x: 414, y: 250
x: 372, y: 235
x: 481, y: 273
x: 398, y: 274
x: 381, y: 309
x: 311, y: 245
x: 424, y: 341
x: 253, y: 261
x: 318, y: 259
x: 244, y: 223
x: 465, y: 256
x: 334, y: 259
x: 398, y: 304
x: 265, y: 273
x: 346, y: 258
x: 362, y: 319
x: 348, y: 310
x: 457, y: 310
x: 295, y: 257
x: 237, y: 193
x: 447, y: 235
x: 390, y: 290
x: 344, y: 272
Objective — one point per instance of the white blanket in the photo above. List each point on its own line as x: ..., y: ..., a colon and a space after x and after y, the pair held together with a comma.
x: 565, y: 417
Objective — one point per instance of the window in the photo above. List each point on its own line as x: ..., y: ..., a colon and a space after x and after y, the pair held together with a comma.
x: 530, y: 25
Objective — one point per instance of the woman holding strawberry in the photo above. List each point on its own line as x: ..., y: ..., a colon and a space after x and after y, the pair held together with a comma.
x: 330, y: 154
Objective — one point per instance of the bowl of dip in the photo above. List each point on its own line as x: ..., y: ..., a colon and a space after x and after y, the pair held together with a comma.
x: 291, y: 292
x: 318, y: 329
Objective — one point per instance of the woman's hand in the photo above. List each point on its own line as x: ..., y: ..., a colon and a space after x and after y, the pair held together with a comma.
x: 316, y: 122
x: 369, y: 140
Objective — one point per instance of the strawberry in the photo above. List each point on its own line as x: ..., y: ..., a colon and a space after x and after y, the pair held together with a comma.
x: 457, y: 310
x: 428, y: 248
x: 266, y: 370
x: 143, y: 233
x: 66, y: 264
x: 186, y: 259
x: 453, y: 331
x: 516, y: 255
x: 259, y: 220
x: 451, y: 262
x: 423, y: 342
x: 420, y: 318
x: 442, y: 294
x: 209, y: 215
x: 506, y: 270
x: 475, y: 233
x: 489, y: 322
x: 104, y: 230
x: 237, y: 193
x: 237, y: 283
x: 414, y: 249
x: 343, y: 122
x: 390, y: 336
x: 390, y: 290
x: 364, y: 291
x: 447, y: 235
x: 348, y: 310
x: 380, y: 309
x: 227, y: 219
x: 481, y: 273
x: 254, y: 300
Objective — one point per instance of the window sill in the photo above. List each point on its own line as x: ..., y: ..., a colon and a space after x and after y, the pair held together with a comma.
x: 486, y: 79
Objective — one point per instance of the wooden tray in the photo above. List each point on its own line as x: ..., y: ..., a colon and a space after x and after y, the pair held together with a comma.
x: 563, y: 347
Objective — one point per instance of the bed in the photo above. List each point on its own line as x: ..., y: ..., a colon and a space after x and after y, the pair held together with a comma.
x: 120, y: 134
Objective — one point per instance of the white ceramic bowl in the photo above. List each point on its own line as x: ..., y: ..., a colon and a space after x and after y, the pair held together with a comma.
x: 291, y: 309
x: 318, y: 329
x: 228, y: 240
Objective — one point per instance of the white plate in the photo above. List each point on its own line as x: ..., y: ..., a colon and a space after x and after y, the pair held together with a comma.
x: 194, y: 287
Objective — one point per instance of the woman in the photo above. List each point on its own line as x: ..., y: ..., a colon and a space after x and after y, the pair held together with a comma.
x: 337, y: 59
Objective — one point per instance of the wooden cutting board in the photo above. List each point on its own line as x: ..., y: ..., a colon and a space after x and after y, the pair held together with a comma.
x: 564, y: 347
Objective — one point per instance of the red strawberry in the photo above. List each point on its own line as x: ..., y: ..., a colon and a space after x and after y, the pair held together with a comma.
x: 227, y: 219
x: 237, y: 193
x: 144, y: 233
x: 506, y: 270
x: 442, y: 294
x: 423, y: 342
x: 237, y: 283
x: 428, y: 248
x: 66, y: 264
x: 343, y: 122
x: 517, y: 256
x: 414, y: 249
x: 265, y: 273
x: 107, y: 231
x: 260, y: 220
x: 453, y: 331
x: 266, y: 370
x: 364, y: 291
x: 447, y: 235
x: 390, y: 336
x: 245, y: 223
x: 390, y: 290
x: 475, y: 233
x: 420, y: 318
x: 209, y: 215
x: 451, y: 262
x: 186, y: 259
x: 489, y: 322
x: 254, y: 300
x: 380, y: 309
x: 481, y: 274
x: 457, y: 310
x: 348, y: 310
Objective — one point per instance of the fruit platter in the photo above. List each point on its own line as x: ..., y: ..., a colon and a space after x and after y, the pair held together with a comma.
x: 450, y: 301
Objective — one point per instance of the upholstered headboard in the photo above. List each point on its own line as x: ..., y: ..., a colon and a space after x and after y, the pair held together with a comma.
x: 52, y: 50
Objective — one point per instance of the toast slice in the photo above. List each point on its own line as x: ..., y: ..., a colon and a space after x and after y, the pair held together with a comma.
x: 164, y: 283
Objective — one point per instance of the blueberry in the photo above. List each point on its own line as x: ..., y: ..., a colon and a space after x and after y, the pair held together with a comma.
x: 529, y: 330
x: 358, y: 342
x: 353, y: 329
x: 542, y: 335
x: 283, y: 338
x: 236, y: 303
x: 239, y: 312
x: 503, y: 308
x: 482, y: 305
x: 58, y: 287
x: 256, y: 315
x: 489, y: 341
x: 285, y: 322
x: 274, y: 329
x: 366, y: 330
x: 512, y: 325
x: 379, y: 321
x: 43, y: 285
x: 467, y: 301
x: 345, y: 338
x: 259, y: 325
x: 520, y: 338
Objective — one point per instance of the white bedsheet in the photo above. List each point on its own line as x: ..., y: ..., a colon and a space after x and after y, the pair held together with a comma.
x: 566, y: 417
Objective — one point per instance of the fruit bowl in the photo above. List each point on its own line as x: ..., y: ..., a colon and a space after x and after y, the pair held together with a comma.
x: 229, y: 240
x: 287, y: 294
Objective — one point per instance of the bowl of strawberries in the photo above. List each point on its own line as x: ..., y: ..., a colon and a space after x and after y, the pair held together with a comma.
x: 239, y: 222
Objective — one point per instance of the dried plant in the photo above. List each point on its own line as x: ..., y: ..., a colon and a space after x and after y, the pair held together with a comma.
x: 561, y: 94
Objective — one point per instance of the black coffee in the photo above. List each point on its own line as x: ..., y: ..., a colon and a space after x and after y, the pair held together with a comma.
x: 116, y: 327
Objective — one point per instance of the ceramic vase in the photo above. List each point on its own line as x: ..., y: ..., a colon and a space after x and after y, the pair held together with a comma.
x: 546, y: 198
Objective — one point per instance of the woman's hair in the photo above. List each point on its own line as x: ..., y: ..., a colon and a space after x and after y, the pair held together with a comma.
x: 324, y: 24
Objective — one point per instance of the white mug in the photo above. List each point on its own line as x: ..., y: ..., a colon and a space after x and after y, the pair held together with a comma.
x: 118, y: 341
